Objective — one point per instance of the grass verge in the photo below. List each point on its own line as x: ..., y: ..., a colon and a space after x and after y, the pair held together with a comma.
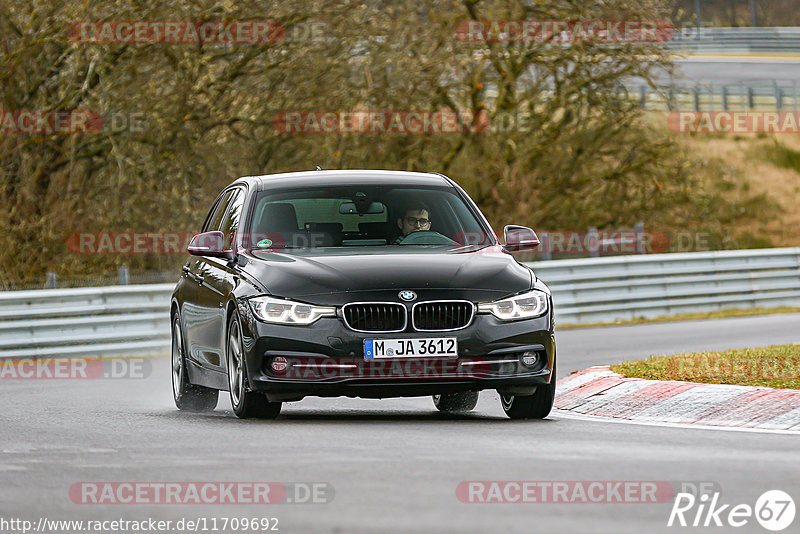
x: 720, y: 314
x: 776, y: 366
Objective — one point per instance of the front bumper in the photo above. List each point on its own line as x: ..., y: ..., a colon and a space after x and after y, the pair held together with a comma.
x: 327, y: 359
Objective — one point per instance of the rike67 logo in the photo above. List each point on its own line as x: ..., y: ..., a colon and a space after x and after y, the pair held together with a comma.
x: 774, y: 510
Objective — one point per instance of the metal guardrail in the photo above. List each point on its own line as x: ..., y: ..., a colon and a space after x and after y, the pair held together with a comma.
x: 777, y: 95
x: 629, y: 287
x: 765, y: 40
x: 96, y: 321
x: 764, y: 95
x: 757, y: 95
x: 133, y: 320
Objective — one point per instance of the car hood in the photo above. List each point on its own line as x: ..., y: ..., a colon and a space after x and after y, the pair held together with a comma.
x: 336, y: 277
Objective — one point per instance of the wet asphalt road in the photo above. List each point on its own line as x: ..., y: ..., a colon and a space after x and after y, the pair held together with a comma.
x: 393, y: 464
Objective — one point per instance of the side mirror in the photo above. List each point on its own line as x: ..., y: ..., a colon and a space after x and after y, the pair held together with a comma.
x: 520, y: 238
x: 209, y: 244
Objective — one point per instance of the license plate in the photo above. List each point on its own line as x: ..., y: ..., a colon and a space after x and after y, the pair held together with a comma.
x: 432, y: 347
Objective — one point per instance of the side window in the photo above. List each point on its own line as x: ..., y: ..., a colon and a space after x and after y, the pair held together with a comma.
x: 215, y: 216
x: 230, y: 223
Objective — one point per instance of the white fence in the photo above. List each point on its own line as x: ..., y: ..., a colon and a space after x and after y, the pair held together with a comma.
x: 133, y: 320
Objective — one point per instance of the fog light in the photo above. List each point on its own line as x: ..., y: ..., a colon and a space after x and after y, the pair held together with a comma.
x: 279, y: 364
x: 529, y: 359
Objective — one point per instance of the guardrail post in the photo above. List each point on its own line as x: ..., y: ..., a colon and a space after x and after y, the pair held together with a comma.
x: 778, y: 97
x: 593, y: 242
x: 124, y: 276
x: 697, y: 13
x: 640, y: 240
x: 750, y: 98
x: 696, y: 99
x: 52, y: 281
x: 725, y: 98
x: 643, y: 96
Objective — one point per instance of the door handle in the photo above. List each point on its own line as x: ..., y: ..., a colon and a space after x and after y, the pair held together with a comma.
x: 196, y: 277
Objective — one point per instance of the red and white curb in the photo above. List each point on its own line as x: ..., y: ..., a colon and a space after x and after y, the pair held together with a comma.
x: 598, y: 391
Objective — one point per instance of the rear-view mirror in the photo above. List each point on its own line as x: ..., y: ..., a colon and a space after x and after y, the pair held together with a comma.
x: 350, y: 207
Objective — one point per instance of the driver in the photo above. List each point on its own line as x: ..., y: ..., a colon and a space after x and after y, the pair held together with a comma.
x: 415, y: 218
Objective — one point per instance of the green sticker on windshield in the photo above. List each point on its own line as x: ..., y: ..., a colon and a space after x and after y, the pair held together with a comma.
x: 264, y: 243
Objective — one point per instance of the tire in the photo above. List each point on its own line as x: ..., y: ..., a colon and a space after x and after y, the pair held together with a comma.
x: 246, y: 404
x: 456, y: 402
x: 536, y: 406
x: 187, y: 396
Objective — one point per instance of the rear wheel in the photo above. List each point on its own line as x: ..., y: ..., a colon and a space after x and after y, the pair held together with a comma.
x: 536, y: 406
x: 187, y: 396
x: 245, y: 403
x: 456, y: 402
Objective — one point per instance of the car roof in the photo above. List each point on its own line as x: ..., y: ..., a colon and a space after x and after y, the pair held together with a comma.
x: 343, y: 177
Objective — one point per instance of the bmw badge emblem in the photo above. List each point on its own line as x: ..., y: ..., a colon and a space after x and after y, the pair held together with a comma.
x: 408, y: 295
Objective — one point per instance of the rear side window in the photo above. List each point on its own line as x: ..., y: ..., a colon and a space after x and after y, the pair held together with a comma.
x: 217, y: 212
x: 230, y: 222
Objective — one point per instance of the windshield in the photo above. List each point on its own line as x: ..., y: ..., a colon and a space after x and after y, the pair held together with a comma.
x: 364, y: 216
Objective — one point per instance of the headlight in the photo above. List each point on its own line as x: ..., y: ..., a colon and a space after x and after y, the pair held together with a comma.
x: 524, y: 306
x: 280, y: 311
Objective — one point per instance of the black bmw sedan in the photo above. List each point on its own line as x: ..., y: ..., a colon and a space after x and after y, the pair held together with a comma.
x: 360, y: 283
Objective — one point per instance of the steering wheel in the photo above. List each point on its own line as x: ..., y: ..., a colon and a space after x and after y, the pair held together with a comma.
x: 426, y: 237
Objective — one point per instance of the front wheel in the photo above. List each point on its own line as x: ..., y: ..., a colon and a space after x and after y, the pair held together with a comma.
x: 456, y: 402
x: 245, y: 403
x: 536, y: 406
x: 188, y: 397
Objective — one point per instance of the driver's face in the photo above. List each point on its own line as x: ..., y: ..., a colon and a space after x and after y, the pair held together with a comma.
x: 413, y: 221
